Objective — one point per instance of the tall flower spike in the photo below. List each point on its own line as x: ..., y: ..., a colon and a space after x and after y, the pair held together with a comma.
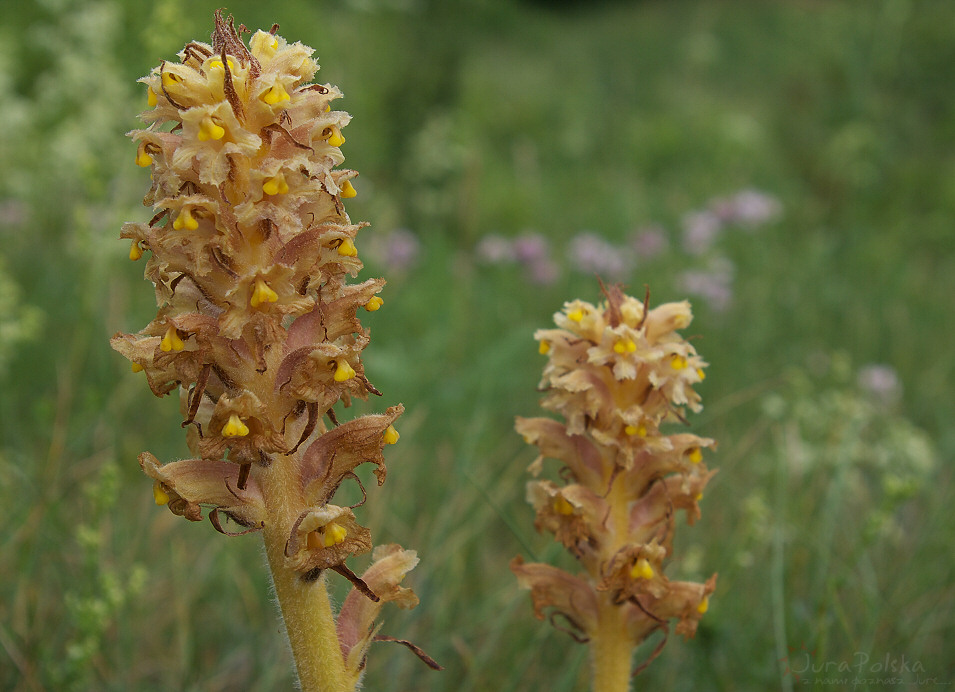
x: 251, y: 254
x: 616, y: 372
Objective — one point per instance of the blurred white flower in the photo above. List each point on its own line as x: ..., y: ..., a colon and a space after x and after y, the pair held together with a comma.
x: 880, y: 381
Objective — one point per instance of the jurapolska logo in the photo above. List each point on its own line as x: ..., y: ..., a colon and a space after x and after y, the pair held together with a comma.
x: 798, y: 661
x: 859, y: 669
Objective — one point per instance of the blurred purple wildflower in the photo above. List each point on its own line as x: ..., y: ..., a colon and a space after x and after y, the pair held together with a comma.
x: 714, y: 284
x: 881, y: 382
x: 495, y: 249
x: 747, y: 208
x: 543, y: 271
x: 700, y: 230
x: 13, y: 213
x: 590, y: 254
x: 397, y: 250
x: 650, y: 242
x: 530, y: 250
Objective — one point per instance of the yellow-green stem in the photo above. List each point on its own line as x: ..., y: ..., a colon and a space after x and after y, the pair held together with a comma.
x: 611, y: 649
x: 305, y: 606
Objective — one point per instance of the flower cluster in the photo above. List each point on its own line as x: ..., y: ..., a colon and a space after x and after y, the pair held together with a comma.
x: 250, y: 251
x: 616, y: 373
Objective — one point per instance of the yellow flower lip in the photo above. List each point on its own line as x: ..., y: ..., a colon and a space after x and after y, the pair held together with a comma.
x: 391, y: 435
x: 170, y: 79
x: 143, y: 159
x: 562, y: 506
x: 185, y: 219
x: 638, y: 430
x: 171, y: 341
x: 348, y: 190
x: 642, y: 569
x: 159, y: 494
x: 678, y: 362
x: 275, y: 95
x: 331, y: 534
x: 694, y: 455
x: 347, y: 248
x: 625, y: 345
x: 216, y: 63
x: 704, y: 605
x: 210, y: 129
x: 235, y: 427
x: 262, y: 293
x: 336, y: 139
x: 544, y: 347
x: 276, y: 185
x: 343, y: 371
x: 374, y: 304
x: 334, y: 534
x: 135, y: 251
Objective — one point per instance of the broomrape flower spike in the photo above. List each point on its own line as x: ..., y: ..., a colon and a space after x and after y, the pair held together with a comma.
x: 251, y: 256
x: 615, y: 373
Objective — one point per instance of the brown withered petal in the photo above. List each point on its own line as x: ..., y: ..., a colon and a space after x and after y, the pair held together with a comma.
x: 684, y: 600
x: 554, y: 588
x: 307, y: 373
x: 208, y: 482
x: 162, y: 377
x: 554, y: 442
x: 651, y: 465
x: 356, y: 619
x: 330, y: 320
x: 685, y: 491
x: 335, y: 454
x: 573, y: 513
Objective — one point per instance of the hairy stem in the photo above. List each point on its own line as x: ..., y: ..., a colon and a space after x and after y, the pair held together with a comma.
x: 611, y: 645
x: 611, y: 649
x: 305, y: 606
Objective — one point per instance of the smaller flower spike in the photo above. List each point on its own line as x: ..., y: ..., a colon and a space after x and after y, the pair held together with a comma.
x: 251, y: 256
x: 616, y: 373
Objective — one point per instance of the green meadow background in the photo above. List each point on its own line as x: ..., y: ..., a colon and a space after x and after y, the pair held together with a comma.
x: 830, y: 342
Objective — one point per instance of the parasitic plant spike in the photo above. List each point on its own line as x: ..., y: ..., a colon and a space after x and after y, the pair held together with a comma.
x: 251, y: 251
x: 615, y: 374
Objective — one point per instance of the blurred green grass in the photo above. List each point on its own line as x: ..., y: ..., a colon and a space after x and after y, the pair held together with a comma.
x: 487, y: 116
